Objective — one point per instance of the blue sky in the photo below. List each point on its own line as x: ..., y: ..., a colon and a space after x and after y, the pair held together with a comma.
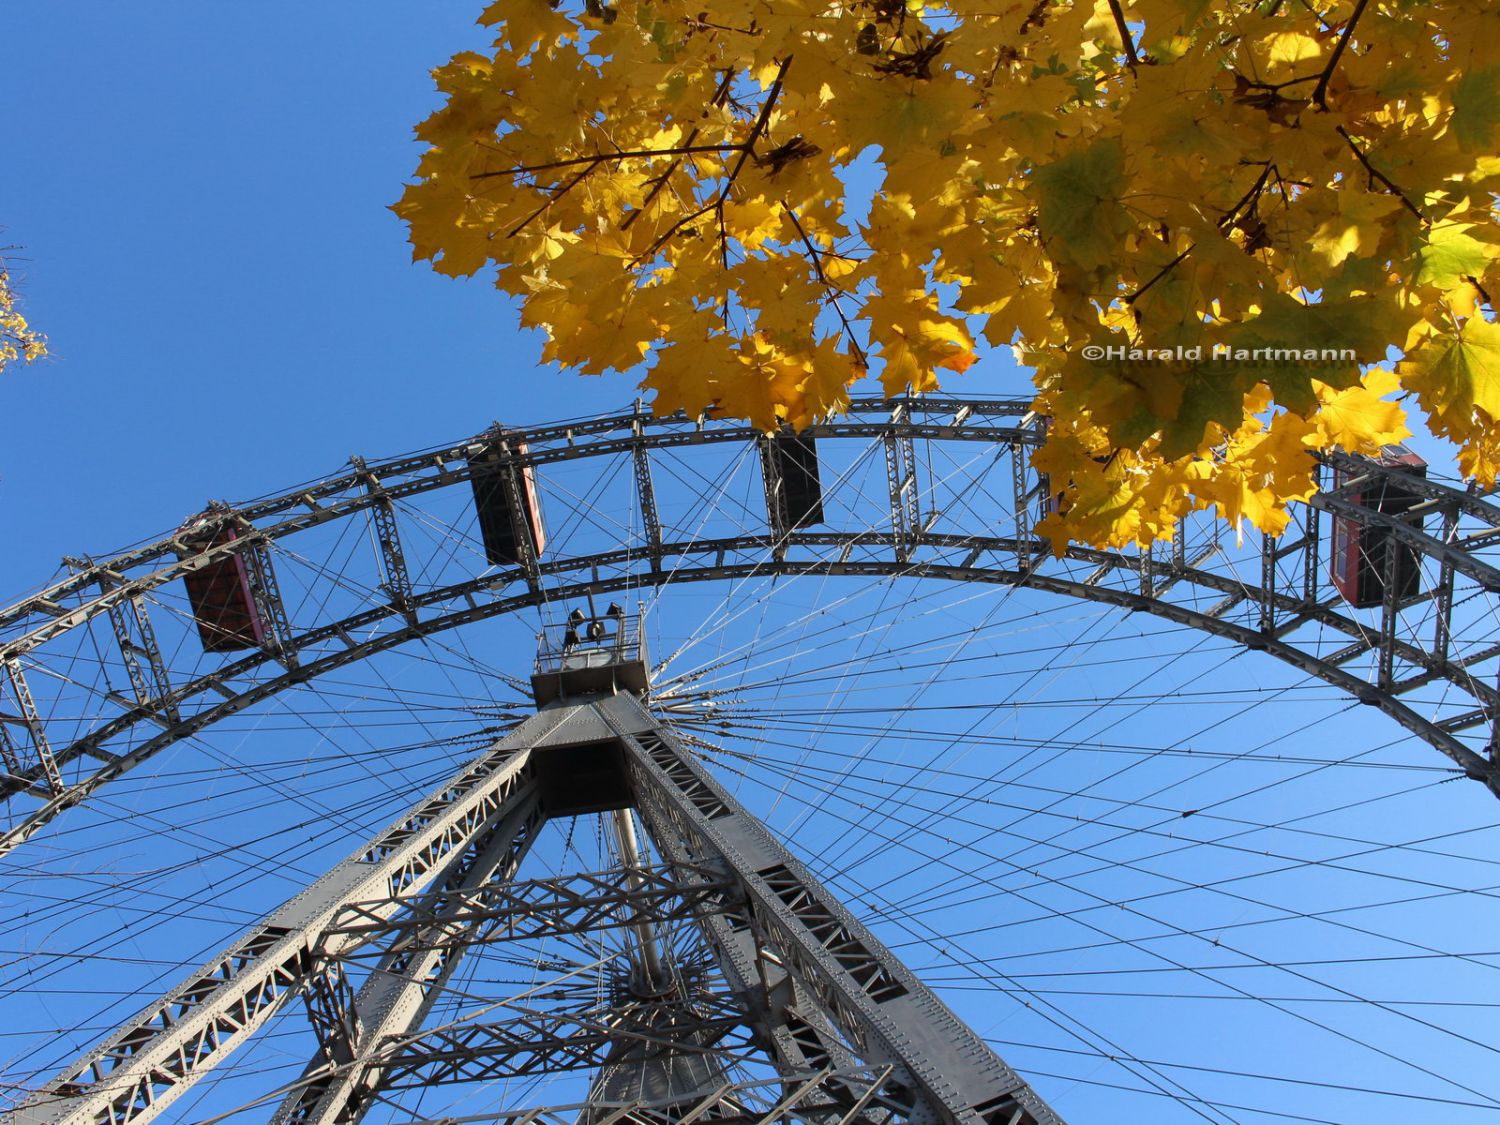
x: 201, y: 196
x: 201, y: 193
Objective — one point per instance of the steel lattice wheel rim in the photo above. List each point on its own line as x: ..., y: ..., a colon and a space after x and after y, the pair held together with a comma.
x: 1432, y: 668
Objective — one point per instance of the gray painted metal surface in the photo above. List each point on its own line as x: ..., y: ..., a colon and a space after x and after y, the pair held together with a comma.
x: 853, y: 1034
x: 1285, y: 606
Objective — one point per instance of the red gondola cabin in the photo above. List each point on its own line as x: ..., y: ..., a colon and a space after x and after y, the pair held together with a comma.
x: 221, y: 596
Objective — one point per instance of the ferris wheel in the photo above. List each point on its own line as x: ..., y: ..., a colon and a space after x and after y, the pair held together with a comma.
x: 656, y: 769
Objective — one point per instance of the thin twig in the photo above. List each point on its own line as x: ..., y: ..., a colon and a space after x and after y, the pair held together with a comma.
x: 1131, y: 58
x: 569, y: 186
x: 661, y: 181
x: 1275, y: 87
x: 834, y: 292
x: 1161, y: 273
x: 601, y: 157
x: 745, y: 149
x: 760, y: 121
x: 1320, y: 91
x: 1379, y: 177
x: 1249, y: 197
x: 659, y: 242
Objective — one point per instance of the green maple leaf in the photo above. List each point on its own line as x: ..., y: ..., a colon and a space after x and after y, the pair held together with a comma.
x: 1450, y: 256
x: 1459, y: 372
x: 1476, y: 108
x: 1080, y: 216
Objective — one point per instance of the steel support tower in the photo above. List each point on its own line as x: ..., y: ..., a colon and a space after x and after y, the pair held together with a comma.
x: 795, y: 1010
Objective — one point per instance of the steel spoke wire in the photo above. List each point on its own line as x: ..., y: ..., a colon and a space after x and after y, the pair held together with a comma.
x: 857, y: 691
x: 902, y: 918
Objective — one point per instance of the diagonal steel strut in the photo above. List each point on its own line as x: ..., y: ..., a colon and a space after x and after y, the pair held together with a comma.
x: 805, y: 984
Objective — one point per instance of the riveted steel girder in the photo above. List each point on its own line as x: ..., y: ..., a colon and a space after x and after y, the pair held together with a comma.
x: 1287, y: 609
x: 806, y: 985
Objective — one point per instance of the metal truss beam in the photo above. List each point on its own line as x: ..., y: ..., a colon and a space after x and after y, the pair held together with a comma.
x: 693, y: 568
x: 388, y: 539
x: 1031, y: 490
x: 1462, y: 561
x: 856, y: 1091
x: 524, y: 911
x: 30, y: 761
x: 143, y: 660
x: 552, y: 1042
x: 336, y: 1086
x: 141, y: 1069
x: 901, y: 481
x: 150, y: 683
x: 338, y: 496
x: 260, y: 574
x: 640, y: 458
x: 806, y: 986
x: 784, y: 1017
x: 1287, y: 613
x: 877, y: 1004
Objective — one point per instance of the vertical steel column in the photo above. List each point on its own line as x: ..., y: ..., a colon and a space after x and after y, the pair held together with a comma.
x: 1033, y: 435
x: 26, y: 719
x: 266, y: 595
x: 1313, y: 549
x: 901, y: 478
x: 1390, y: 606
x: 1443, y: 617
x: 388, y: 536
x: 885, y: 1013
x: 641, y: 460
x: 1267, y: 584
x: 650, y: 965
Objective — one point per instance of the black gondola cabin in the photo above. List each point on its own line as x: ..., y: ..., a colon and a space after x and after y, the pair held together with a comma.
x: 1363, y: 555
x: 495, y: 477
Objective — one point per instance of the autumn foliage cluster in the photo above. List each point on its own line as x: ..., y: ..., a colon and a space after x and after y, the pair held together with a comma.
x: 19, y: 342
x: 757, y: 203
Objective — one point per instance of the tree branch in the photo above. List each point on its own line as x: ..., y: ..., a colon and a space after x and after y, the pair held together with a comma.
x: 661, y: 181
x: 1158, y: 275
x: 745, y: 149
x: 601, y: 157
x: 1320, y: 91
x: 834, y: 292
x: 1379, y: 177
x: 1483, y: 292
x: 760, y: 122
x: 1249, y: 197
x: 1131, y: 58
x: 569, y: 186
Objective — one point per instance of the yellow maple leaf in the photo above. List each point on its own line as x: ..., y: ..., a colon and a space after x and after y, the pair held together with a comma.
x: 525, y: 23
x: 1358, y: 418
x: 761, y: 203
x: 1455, y: 372
x: 18, y: 340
